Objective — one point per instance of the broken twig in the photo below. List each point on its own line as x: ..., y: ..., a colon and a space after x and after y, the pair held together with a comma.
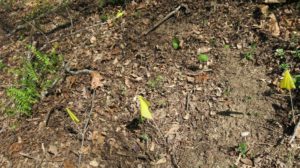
x: 85, y: 127
x: 182, y: 6
x: 295, y: 132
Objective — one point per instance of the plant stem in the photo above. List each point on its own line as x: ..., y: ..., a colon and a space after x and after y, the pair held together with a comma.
x: 292, y: 105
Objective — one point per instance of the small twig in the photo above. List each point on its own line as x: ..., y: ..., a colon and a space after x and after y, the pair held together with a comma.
x: 82, y: 71
x: 166, y: 18
x: 85, y: 127
x: 28, y: 156
x: 295, y: 132
x: 292, y: 105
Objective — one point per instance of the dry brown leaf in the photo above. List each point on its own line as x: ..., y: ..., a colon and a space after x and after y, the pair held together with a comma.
x: 96, y: 80
x: 273, y: 25
x: 174, y: 128
x: 264, y: 9
x: 97, y: 138
x: 69, y: 164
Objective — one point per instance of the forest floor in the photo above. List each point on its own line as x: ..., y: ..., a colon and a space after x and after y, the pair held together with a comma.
x: 226, y: 112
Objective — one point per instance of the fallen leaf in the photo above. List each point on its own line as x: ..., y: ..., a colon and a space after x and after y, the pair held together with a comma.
x: 273, y: 25
x: 96, y: 80
x: 72, y: 116
x: 85, y: 150
x: 69, y: 164
x: 202, y: 50
x: 144, y: 108
x: 97, y: 138
x: 264, y: 9
x: 173, y: 130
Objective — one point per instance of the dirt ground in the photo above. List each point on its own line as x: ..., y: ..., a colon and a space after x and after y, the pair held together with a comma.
x: 202, y: 112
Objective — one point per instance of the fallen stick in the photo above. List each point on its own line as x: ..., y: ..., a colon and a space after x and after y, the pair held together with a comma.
x: 184, y: 6
x: 85, y: 127
x: 295, y: 132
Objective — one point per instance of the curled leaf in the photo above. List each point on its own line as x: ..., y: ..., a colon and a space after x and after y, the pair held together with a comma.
x: 287, y: 82
x: 96, y: 80
x: 144, y: 108
x: 72, y: 115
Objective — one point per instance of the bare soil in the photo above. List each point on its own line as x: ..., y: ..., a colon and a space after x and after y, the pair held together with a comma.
x: 202, y: 112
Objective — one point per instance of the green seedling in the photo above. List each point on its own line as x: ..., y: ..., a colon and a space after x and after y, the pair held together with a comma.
x: 248, y: 56
x: 175, y: 43
x: 284, y: 66
x: 226, y: 46
x: 242, y: 149
x: 103, y: 18
x: 280, y: 53
x: 297, y: 81
x: 296, y: 53
x: 155, y: 83
x: 34, y: 77
x: 144, y: 137
x: 202, y: 58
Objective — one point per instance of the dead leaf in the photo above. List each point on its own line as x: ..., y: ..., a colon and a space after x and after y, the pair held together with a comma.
x: 264, y: 9
x: 173, y: 130
x: 69, y: 164
x: 96, y: 80
x: 202, y: 78
x: 15, y: 148
x: 273, y: 25
x: 204, y: 49
x: 85, y: 150
x: 97, y: 138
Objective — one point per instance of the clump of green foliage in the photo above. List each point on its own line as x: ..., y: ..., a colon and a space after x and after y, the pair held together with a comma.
x: 250, y: 53
x: 34, y: 77
x: 155, y: 83
x: 242, y: 149
x: 202, y: 58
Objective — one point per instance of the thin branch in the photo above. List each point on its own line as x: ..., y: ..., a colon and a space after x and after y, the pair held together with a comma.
x: 85, y: 127
x: 166, y: 18
x: 295, y: 132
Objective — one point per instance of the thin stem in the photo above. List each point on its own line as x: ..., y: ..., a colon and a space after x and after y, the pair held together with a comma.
x: 293, y: 113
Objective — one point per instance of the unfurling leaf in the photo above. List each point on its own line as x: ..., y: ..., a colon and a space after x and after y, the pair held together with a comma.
x: 72, y: 115
x: 144, y: 107
x: 96, y: 80
x: 175, y: 43
x: 287, y: 82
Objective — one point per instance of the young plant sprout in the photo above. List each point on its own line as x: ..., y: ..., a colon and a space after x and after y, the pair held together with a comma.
x: 175, y: 43
x: 202, y: 58
x: 288, y: 83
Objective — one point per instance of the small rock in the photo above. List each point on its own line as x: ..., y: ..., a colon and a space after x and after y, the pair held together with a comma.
x: 190, y: 79
x: 244, y: 134
x: 204, y: 49
x: 247, y: 161
x: 187, y: 116
x: 53, y: 150
x: 93, y: 39
x: 94, y: 163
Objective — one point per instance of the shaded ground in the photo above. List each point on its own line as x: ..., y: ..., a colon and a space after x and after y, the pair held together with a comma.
x: 199, y: 116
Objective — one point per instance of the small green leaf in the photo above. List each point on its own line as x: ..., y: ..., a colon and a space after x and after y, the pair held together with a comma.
x: 72, y: 115
x: 175, y: 43
x: 202, y: 57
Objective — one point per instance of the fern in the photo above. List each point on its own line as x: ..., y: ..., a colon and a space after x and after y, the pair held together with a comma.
x: 34, y: 77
